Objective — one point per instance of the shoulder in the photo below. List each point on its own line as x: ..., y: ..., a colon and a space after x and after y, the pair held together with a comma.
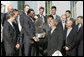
x: 57, y: 16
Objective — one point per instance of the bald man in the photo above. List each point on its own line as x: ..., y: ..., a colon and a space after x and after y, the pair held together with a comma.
x: 9, y: 9
x: 70, y: 39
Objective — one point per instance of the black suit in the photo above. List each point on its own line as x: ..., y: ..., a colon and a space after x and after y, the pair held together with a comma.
x: 2, y: 18
x: 80, y: 42
x: 71, y: 42
x: 29, y: 33
x: 55, y: 41
x: 15, y: 23
x: 2, y: 44
x: 23, y: 16
x: 5, y: 17
x: 10, y: 40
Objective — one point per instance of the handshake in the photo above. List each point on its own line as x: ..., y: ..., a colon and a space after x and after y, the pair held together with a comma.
x: 42, y: 35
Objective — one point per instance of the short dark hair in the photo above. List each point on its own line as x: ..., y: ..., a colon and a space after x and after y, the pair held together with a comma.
x: 68, y: 11
x: 29, y: 11
x: 50, y: 16
x: 14, y: 10
x: 10, y: 14
x: 26, y: 5
x: 81, y: 17
x: 41, y: 8
x: 53, y: 7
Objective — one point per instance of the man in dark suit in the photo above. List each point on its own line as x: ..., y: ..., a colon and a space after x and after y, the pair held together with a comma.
x: 9, y: 35
x: 70, y: 39
x: 68, y: 15
x: 62, y: 27
x: 23, y: 16
x: 54, y: 14
x: 2, y: 44
x: 2, y: 15
x: 9, y: 8
x: 29, y: 33
x: 46, y: 25
x: 79, y: 29
x: 55, y: 39
x: 41, y: 16
x: 15, y: 23
x: 63, y: 22
x: 39, y: 29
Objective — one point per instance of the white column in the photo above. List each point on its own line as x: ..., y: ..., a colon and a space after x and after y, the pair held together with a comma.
x: 79, y: 8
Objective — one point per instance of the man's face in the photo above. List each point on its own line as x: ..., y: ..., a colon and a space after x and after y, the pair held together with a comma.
x: 27, y: 8
x: 68, y: 14
x: 51, y: 23
x: 81, y: 21
x: 49, y: 20
x: 53, y: 11
x: 69, y: 24
x: 78, y: 20
x: 10, y: 9
x: 41, y: 11
x: 63, y: 18
x: 32, y: 13
x: 16, y: 14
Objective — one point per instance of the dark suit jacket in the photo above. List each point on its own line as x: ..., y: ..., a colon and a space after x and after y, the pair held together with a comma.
x: 15, y: 23
x: 10, y: 40
x: 80, y: 42
x: 5, y: 17
x: 2, y: 16
x: 45, y: 20
x: 57, y: 18
x: 71, y: 42
x: 55, y: 41
x: 46, y: 28
x: 60, y: 26
x: 29, y: 30
x: 22, y: 18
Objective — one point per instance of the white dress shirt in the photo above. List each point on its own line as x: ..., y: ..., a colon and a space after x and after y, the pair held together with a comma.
x: 1, y: 32
x: 68, y: 31
x: 54, y: 16
x: 63, y: 24
x: 79, y: 26
x: 53, y: 30
x: 68, y: 19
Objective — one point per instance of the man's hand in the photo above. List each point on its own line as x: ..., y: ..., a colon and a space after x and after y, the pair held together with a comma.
x: 17, y: 46
x: 43, y: 34
x: 36, y: 39
x: 66, y: 48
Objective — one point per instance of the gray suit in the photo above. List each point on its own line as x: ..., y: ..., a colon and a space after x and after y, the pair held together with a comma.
x: 57, y: 18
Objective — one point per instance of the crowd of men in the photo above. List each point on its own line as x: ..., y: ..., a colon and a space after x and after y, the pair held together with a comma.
x: 28, y: 34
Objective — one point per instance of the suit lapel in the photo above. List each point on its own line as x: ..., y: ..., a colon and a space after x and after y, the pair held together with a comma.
x: 69, y: 33
x: 53, y: 32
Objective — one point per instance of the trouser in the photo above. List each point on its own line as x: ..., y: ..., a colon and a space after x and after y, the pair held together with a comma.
x: 2, y: 49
